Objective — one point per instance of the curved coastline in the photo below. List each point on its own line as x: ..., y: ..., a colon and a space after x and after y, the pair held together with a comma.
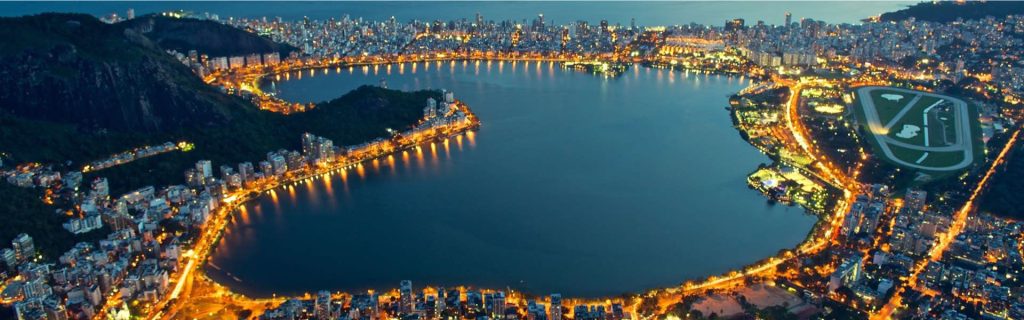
x: 814, y: 241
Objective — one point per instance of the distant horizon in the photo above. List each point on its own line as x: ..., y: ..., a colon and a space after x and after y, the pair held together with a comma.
x: 621, y: 12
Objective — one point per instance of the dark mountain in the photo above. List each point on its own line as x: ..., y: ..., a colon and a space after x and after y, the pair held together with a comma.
x: 947, y: 11
x: 207, y: 37
x: 75, y: 89
x: 74, y: 69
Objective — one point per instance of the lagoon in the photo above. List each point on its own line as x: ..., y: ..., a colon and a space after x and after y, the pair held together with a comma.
x: 575, y: 183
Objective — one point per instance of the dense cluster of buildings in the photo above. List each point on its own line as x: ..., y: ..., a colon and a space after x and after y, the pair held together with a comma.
x: 886, y: 242
x: 986, y: 49
x: 975, y: 278
x: 202, y: 64
x: 153, y: 228
x: 347, y: 36
x: 439, y: 303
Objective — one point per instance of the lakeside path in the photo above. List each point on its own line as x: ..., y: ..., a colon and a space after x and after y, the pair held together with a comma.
x: 820, y: 238
x: 823, y: 236
x: 199, y: 255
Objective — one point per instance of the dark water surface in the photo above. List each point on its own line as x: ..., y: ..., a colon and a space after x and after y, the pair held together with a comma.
x: 575, y: 183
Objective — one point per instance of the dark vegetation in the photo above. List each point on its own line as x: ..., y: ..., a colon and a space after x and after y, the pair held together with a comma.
x: 74, y: 69
x: 206, y: 37
x: 74, y: 89
x: 356, y: 117
x: 948, y: 11
x: 23, y: 211
x: 1002, y: 197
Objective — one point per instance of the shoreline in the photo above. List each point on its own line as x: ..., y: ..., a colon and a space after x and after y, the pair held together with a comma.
x: 824, y: 224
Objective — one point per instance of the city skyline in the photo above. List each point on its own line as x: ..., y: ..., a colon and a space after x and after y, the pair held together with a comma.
x: 895, y: 135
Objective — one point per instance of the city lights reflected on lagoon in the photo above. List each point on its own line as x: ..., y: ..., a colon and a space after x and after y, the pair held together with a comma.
x: 433, y: 152
x: 327, y: 185
x: 242, y: 211
x: 471, y: 136
x: 273, y: 198
x: 391, y: 165
x: 447, y: 170
x: 311, y: 191
x: 419, y: 158
x: 405, y: 158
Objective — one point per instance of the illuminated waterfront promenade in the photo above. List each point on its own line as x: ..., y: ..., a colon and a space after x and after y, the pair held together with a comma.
x: 186, y: 279
x: 822, y: 237
x: 761, y: 270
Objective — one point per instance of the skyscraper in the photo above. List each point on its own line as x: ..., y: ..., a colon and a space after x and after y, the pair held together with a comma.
x: 24, y: 247
x: 439, y: 303
x: 789, y: 19
x: 496, y: 304
x: 322, y: 305
x: 405, y: 299
x: 556, y: 306
x: 734, y: 25
x: 205, y: 168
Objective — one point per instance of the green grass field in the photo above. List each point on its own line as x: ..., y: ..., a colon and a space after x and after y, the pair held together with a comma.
x: 887, y: 109
x: 896, y: 123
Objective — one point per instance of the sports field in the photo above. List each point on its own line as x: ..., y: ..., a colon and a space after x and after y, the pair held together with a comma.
x: 919, y: 130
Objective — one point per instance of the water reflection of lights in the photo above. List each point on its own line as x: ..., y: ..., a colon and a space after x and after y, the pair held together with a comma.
x: 419, y: 157
x: 328, y: 186
x: 391, y: 164
x: 311, y: 191
x: 433, y: 152
x: 405, y: 158
x: 273, y: 198
x: 245, y: 215
x: 471, y: 136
